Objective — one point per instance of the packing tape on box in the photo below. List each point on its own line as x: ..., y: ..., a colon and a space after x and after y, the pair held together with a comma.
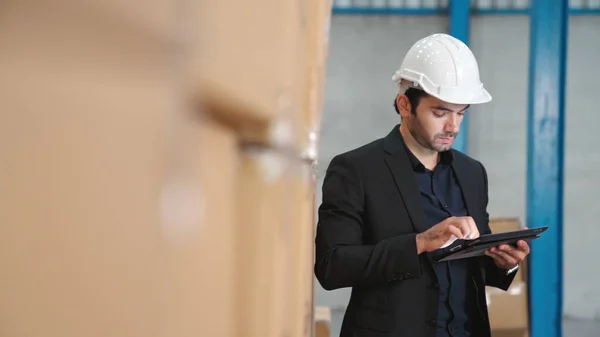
x: 281, y: 132
x: 272, y: 163
x: 280, y: 153
x: 275, y: 163
x: 311, y: 153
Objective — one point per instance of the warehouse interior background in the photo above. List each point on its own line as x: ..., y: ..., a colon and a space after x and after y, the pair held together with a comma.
x: 161, y: 164
x: 368, y: 40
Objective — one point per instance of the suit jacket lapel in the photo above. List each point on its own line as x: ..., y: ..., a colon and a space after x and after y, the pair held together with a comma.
x: 402, y: 171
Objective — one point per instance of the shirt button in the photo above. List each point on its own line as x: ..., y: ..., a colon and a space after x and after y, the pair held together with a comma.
x: 430, y: 322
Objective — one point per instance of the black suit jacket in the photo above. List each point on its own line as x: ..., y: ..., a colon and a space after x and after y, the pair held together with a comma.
x: 370, y: 214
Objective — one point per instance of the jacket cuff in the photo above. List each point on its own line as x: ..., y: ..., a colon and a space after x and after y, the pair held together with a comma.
x: 406, y: 262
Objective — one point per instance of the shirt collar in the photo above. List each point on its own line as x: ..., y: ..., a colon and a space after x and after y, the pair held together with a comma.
x: 446, y: 158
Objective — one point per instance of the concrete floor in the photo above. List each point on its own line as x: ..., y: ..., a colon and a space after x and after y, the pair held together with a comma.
x: 571, y: 328
x: 581, y: 328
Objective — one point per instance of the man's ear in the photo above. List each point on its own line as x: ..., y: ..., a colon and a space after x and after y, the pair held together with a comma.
x: 403, y: 104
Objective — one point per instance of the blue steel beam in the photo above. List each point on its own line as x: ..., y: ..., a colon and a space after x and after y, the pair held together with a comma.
x: 545, y: 163
x: 442, y: 11
x: 388, y: 11
x: 460, y: 22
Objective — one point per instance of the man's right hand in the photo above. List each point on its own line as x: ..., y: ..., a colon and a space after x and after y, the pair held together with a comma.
x: 435, y: 237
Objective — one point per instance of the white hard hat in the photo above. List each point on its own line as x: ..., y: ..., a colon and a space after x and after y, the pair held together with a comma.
x: 443, y: 67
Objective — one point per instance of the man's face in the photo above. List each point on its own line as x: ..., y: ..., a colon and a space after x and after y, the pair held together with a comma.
x: 436, y: 123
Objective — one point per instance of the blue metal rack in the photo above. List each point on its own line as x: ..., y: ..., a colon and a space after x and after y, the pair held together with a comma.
x: 443, y: 11
x: 460, y: 18
x: 545, y: 162
x: 363, y: 7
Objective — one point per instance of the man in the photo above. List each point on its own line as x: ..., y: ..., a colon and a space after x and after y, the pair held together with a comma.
x: 389, y: 207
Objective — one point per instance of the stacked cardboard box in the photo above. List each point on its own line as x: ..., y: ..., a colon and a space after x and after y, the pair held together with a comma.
x: 509, y: 310
x: 263, y: 76
x: 316, y: 28
x: 245, y: 72
x: 158, y: 183
x: 112, y: 194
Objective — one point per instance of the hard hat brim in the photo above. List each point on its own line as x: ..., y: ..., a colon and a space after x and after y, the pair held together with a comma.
x: 476, y: 95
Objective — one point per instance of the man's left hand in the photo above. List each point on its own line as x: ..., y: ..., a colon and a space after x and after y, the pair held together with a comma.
x: 507, y: 256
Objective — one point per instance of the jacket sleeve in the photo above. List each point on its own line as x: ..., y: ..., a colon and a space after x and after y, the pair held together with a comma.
x: 494, y: 276
x: 342, y: 259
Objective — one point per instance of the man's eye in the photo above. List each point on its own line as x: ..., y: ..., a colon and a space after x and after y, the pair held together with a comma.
x: 439, y: 113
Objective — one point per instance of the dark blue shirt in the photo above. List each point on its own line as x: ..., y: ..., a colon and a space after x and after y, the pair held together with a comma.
x: 441, y: 197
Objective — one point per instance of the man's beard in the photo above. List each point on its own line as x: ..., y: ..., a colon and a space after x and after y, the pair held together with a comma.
x: 416, y: 130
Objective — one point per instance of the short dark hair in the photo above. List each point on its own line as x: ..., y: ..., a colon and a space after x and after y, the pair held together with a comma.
x: 414, y: 97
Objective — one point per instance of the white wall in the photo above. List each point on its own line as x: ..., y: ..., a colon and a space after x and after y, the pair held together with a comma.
x: 582, y: 188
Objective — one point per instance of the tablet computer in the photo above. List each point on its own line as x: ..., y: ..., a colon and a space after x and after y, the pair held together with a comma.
x: 470, y: 248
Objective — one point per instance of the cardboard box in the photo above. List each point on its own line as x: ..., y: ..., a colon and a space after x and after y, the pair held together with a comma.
x: 112, y: 226
x: 245, y: 64
x: 322, y: 322
x: 507, y: 224
x: 312, y: 82
x: 508, y: 310
x: 81, y: 241
x: 265, y: 233
x: 264, y: 74
x: 160, y: 19
x: 199, y: 214
x: 303, y: 217
x: 318, y: 18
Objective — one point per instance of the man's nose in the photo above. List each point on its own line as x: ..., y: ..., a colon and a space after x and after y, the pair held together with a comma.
x: 452, y: 123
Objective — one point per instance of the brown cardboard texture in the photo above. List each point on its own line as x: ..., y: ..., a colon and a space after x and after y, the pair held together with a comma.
x: 318, y: 17
x: 508, y: 310
x: 303, y: 227
x: 93, y: 240
x: 507, y: 224
x: 84, y: 102
x: 510, y: 333
x: 245, y: 68
x: 203, y: 266
x: 322, y: 322
x: 265, y: 243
